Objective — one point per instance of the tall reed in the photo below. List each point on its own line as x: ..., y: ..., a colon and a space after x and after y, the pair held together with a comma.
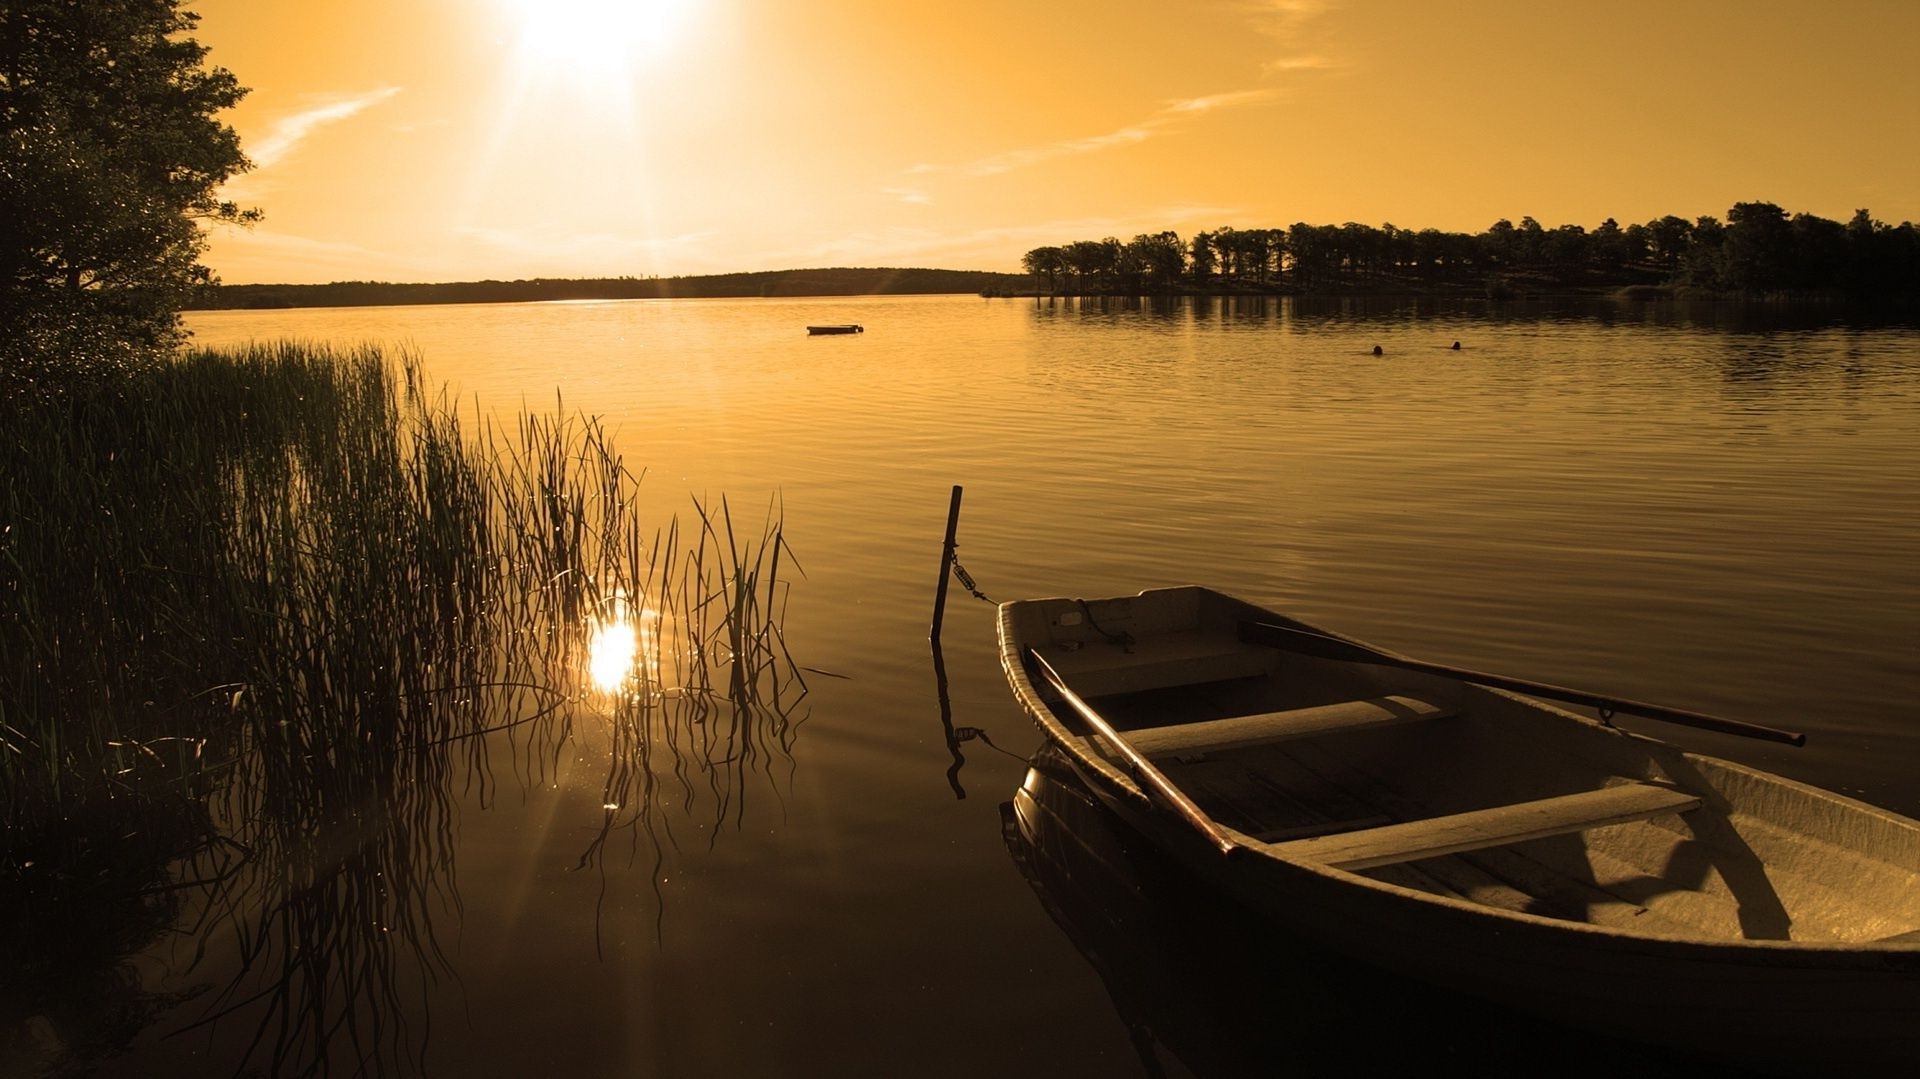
x: 279, y: 606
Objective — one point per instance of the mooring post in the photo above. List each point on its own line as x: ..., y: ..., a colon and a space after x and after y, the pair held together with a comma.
x: 946, y: 564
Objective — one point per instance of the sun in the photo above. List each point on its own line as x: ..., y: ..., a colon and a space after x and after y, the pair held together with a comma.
x: 594, y: 38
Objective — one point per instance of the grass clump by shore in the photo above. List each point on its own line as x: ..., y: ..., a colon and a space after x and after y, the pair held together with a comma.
x: 264, y: 615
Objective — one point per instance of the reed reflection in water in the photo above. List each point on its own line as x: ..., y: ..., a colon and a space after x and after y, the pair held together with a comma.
x: 269, y: 615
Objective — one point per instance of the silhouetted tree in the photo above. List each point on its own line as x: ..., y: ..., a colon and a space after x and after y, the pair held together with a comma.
x: 1355, y: 248
x: 1705, y: 262
x: 1760, y: 249
x: 1639, y: 244
x: 1566, y: 252
x: 1201, y: 258
x: 1281, y: 243
x: 1160, y: 258
x: 1607, y: 249
x: 1090, y: 260
x: 1390, y: 244
x: 1669, y: 238
x: 1315, y: 252
x: 112, y: 159
x: 1264, y: 248
x: 1759, y: 243
x: 1900, y: 269
x: 1501, y: 243
x: 1226, y: 249
x: 1882, y: 259
x: 1045, y: 262
x: 1865, y: 268
x: 1531, y: 242
x: 1818, y: 257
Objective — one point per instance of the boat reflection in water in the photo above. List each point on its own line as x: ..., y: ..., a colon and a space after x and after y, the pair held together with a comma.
x: 1205, y: 987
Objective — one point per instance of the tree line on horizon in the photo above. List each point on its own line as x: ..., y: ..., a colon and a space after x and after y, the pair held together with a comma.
x: 1759, y: 250
x: 842, y: 281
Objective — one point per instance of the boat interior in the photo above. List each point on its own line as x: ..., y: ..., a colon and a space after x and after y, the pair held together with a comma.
x: 1456, y: 790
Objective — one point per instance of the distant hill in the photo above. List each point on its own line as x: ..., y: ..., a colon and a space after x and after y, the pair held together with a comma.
x: 817, y: 282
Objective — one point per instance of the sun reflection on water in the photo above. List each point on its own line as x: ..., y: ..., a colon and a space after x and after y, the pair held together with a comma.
x: 612, y: 651
x: 623, y: 644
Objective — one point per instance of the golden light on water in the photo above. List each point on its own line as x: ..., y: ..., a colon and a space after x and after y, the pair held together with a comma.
x: 625, y: 642
x: 611, y: 652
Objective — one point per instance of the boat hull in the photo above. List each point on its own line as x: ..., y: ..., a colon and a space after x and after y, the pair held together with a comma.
x: 1775, y: 1009
x: 1230, y: 991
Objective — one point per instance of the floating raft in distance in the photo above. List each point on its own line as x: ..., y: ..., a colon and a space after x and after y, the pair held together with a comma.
x: 1484, y: 841
x: 851, y: 327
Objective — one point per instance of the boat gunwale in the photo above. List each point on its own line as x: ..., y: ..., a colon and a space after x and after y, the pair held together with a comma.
x: 1107, y: 779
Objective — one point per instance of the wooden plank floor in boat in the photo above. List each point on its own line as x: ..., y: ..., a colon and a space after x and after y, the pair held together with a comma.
x: 1299, y: 789
x: 1613, y: 888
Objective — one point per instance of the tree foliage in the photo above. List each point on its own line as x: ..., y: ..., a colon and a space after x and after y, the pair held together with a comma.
x: 113, y: 158
x: 1759, y: 250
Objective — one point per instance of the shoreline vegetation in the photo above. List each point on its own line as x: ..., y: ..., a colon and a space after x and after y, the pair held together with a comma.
x: 1760, y: 251
x: 769, y: 283
x: 269, y: 615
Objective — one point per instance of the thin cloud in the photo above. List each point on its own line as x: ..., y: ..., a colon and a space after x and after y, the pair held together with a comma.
x: 990, y: 247
x: 1309, y: 62
x: 911, y: 195
x: 1297, y: 26
x: 1211, y: 102
x: 290, y: 131
x: 1282, y: 15
x: 1169, y: 117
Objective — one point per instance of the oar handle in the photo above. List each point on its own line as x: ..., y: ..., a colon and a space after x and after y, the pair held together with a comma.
x: 1319, y: 644
x: 1143, y: 769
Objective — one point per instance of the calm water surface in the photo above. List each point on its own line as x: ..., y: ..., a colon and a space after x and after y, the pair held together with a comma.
x: 1705, y: 507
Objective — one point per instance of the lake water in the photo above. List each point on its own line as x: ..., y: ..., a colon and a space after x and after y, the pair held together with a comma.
x: 1710, y: 507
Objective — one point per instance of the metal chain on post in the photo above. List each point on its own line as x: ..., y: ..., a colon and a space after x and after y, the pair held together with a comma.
x: 966, y: 579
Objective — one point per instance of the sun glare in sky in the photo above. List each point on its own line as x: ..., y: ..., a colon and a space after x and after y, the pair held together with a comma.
x: 597, y: 38
x: 449, y: 140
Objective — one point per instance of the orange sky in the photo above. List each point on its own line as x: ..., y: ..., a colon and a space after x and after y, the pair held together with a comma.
x: 434, y: 140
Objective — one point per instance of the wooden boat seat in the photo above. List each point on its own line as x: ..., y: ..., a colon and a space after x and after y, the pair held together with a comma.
x: 1238, y: 732
x: 1497, y: 827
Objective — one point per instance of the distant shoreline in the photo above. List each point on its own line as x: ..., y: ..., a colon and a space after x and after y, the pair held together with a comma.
x: 767, y: 283
x: 853, y: 283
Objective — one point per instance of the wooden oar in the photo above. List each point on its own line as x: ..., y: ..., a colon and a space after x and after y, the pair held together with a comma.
x: 1319, y: 644
x: 1153, y: 778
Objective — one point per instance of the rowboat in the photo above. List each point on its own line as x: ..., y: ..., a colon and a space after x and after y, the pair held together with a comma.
x: 1204, y: 979
x: 848, y: 328
x: 1444, y: 826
